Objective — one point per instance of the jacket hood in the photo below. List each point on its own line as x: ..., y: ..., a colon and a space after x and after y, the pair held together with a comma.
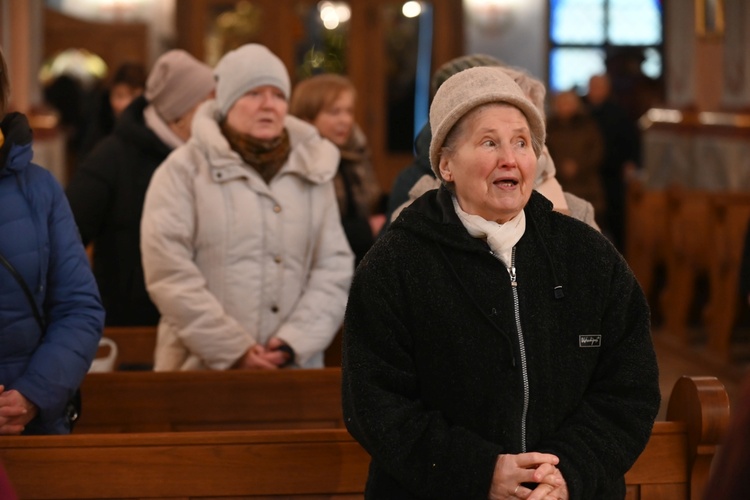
x: 15, y: 151
x: 433, y: 217
x: 312, y: 157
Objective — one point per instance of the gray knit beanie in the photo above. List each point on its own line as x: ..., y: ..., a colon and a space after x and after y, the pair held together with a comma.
x: 176, y: 83
x: 469, y: 89
x: 246, y: 68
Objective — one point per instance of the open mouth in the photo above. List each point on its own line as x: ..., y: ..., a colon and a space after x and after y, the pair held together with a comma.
x: 506, y: 183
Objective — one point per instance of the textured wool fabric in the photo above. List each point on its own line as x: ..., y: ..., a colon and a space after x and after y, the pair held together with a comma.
x: 177, y: 82
x: 458, y: 64
x: 432, y: 383
x: 469, y: 89
x: 246, y: 68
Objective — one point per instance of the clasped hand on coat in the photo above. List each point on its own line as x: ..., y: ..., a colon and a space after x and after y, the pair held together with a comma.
x: 511, y: 471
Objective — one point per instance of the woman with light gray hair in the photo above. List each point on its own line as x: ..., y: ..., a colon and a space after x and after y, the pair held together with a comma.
x: 493, y: 347
x: 545, y: 182
x: 243, y: 249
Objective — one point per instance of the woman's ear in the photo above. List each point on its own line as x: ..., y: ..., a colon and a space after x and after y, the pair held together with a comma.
x: 444, y: 167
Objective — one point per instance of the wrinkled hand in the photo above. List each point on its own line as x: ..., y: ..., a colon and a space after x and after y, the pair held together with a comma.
x: 512, y: 470
x: 279, y: 358
x: 255, y: 359
x: 545, y: 489
x: 15, y: 411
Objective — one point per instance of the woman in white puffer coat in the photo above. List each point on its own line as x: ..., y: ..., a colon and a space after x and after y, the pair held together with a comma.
x: 243, y: 250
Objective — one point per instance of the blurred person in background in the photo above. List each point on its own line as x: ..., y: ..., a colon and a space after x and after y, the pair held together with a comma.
x: 107, y: 191
x: 621, y: 156
x: 128, y: 82
x: 327, y: 101
x: 576, y: 145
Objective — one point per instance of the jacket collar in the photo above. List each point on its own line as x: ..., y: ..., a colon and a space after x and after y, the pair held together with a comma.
x: 433, y: 216
x: 16, y: 151
x: 312, y: 157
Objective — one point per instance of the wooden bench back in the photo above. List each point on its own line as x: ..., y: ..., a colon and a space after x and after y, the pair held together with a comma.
x: 136, y: 344
x: 677, y: 458
x: 646, y: 232
x: 210, y: 400
x: 215, y: 464
x: 688, y: 256
x: 316, y: 463
x: 730, y: 214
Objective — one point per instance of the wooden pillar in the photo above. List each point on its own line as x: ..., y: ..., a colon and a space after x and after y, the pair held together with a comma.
x: 22, y: 41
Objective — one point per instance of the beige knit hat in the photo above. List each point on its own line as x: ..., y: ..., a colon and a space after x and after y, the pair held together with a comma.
x: 469, y: 89
x: 176, y: 83
x: 459, y: 64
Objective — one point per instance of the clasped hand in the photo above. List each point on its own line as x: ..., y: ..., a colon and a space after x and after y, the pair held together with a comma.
x: 512, y: 471
x: 260, y: 357
x: 15, y: 411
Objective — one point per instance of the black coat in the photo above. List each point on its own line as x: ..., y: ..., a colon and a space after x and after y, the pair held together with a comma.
x: 433, y: 368
x: 106, y: 195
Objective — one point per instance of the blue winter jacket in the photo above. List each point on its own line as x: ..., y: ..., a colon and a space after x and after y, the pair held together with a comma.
x: 38, y: 236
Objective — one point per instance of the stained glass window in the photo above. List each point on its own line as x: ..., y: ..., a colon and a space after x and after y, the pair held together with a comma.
x: 583, y: 32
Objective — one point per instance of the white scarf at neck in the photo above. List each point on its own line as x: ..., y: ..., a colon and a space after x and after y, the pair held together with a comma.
x: 500, y: 237
x: 160, y: 128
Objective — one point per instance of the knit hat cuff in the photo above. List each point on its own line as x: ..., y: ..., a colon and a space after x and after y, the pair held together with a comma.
x: 470, y: 89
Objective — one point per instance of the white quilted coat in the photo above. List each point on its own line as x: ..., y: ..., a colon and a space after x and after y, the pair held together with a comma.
x: 231, y: 261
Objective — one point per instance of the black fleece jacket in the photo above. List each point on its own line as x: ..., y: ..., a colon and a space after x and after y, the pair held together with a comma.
x: 106, y: 195
x: 433, y: 384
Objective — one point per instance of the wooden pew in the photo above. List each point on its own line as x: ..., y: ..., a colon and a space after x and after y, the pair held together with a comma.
x: 646, y: 233
x: 730, y: 214
x: 688, y: 256
x: 677, y: 459
x: 301, y: 464
x: 136, y: 345
x: 316, y: 464
x: 210, y: 400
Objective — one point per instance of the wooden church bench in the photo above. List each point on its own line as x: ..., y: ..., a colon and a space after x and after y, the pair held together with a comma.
x: 316, y: 463
x: 136, y: 344
x: 730, y: 214
x: 142, y: 401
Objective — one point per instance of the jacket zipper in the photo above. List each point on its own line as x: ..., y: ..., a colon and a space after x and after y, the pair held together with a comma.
x: 522, y: 348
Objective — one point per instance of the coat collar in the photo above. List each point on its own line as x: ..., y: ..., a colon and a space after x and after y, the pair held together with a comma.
x: 313, y: 158
x: 432, y: 216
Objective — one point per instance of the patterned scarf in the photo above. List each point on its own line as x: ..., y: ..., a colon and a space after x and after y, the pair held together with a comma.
x: 266, y: 157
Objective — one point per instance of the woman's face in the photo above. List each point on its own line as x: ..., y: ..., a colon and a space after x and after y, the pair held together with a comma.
x: 121, y: 95
x: 491, y: 163
x: 335, y: 122
x: 259, y: 113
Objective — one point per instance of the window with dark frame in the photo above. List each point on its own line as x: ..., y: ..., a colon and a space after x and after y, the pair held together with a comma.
x: 585, y: 34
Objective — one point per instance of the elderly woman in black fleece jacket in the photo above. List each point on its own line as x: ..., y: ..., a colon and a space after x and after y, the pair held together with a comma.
x: 494, y: 348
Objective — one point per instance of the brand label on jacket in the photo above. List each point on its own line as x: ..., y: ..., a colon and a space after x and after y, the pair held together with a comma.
x: 589, y: 341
